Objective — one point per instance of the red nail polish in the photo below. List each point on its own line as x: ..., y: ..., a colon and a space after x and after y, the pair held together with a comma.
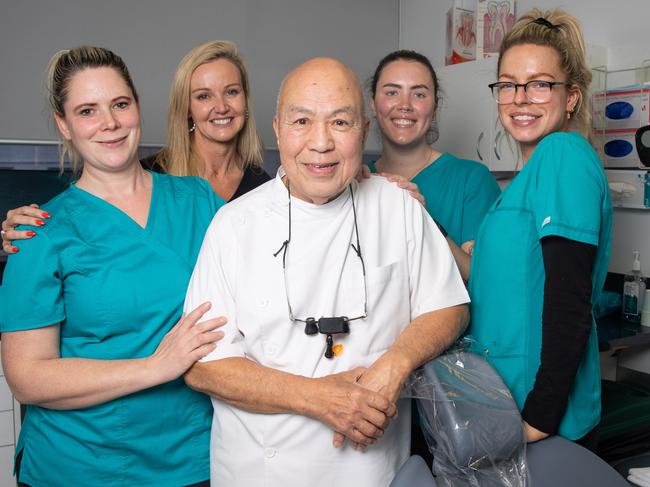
x: 30, y: 233
x: 14, y: 249
x: 40, y: 223
x: 46, y: 215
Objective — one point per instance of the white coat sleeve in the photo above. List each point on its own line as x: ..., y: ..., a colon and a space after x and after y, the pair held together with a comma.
x: 213, y: 280
x: 434, y: 280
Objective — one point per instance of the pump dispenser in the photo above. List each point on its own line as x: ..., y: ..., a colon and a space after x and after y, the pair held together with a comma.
x: 633, y: 291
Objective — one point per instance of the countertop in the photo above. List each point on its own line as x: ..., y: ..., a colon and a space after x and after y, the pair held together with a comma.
x: 616, y: 334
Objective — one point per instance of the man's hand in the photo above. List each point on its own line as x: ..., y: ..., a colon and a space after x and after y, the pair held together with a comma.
x: 355, y: 412
x: 386, y: 376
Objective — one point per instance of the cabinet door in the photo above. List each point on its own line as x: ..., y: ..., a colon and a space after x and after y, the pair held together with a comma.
x: 468, y: 117
x: 465, y: 115
x: 504, y: 151
x: 7, y: 467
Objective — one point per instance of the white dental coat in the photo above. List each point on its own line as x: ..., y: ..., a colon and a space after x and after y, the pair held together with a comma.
x: 410, y: 271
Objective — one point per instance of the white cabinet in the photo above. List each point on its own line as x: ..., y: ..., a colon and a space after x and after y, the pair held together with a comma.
x: 468, y: 119
x: 9, y: 427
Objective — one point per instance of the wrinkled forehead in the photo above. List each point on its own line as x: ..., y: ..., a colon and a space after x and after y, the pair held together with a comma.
x: 324, y: 85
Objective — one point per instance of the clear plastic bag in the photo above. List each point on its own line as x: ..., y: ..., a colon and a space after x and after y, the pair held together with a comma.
x: 470, y: 421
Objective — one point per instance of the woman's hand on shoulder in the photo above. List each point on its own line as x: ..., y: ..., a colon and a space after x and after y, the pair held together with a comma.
x: 186, y: 343
x: 30, y: 215
x: 405, y: 184
x: 468, y: 247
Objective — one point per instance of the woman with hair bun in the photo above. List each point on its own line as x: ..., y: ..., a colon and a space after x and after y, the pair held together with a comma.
x: 211, y: 133
x: 93, y: 341
x: 541, y: 254
x: 405, y: 94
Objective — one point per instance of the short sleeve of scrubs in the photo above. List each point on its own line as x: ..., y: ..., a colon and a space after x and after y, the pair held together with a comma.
x: 210, y: 282
x: 481, y: 191
x: 32, y: 293
x: 569, y: 192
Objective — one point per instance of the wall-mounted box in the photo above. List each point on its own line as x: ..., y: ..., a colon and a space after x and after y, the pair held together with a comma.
x: 618, y: 149
x: 629, y: 189
x: 461, y: 32
x: 621, y: 110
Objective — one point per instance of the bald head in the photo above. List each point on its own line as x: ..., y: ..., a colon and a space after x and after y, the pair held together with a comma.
x: 321, y: 126
x: 318, y: 71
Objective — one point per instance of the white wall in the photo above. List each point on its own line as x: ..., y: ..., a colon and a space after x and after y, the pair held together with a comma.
x: 153, y: 35
x: 622, y: 27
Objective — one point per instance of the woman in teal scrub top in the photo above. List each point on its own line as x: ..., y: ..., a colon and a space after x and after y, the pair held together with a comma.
x: 404, y: 97
x: 541, y: 254
x: 90, y: 313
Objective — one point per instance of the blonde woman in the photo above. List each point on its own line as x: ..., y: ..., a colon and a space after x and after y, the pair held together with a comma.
x: 211, y: 133
x: 211, y: 130
x: 542, y: 251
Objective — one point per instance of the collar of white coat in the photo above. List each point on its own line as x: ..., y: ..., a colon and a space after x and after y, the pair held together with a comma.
x: 282, y: 196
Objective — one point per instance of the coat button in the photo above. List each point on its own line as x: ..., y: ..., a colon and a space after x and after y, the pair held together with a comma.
x: 270, y: 452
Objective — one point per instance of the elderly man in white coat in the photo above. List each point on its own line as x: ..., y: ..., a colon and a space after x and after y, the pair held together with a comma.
x: 334, y: 290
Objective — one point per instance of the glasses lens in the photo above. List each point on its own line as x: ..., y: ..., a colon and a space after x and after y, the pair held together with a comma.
x: 538, y: 91
x: 504, y: 93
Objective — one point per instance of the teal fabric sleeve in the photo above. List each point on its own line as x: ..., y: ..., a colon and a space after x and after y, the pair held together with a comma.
x: 32, y: 293
x: 568, y: 197
x: 481, y: 190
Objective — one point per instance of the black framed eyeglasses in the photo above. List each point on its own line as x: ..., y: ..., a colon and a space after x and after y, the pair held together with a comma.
x: 537, y: 90
x: 332, y: 325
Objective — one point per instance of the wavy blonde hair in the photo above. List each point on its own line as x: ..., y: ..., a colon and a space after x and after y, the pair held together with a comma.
x: 561, y: 31
x: 179, y: 157
x: 61, y: 69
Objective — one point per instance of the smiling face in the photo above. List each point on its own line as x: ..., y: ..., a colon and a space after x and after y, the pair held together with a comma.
x: 404, y: 103
x: 528, y: 123
x: 320, y: 128
x: 101, y: 119
x: 217, y: 101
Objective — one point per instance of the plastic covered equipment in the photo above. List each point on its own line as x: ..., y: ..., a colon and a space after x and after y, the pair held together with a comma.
x: 470, y: 421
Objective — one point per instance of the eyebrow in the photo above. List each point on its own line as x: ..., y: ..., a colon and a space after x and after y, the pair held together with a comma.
x: 349, y: 109
x: 532, y: 77
x: 205, y: 88
x: 95, y: 104
x: 414, y: 87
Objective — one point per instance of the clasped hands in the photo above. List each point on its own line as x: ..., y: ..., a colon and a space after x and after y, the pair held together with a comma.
x: 361, y: 403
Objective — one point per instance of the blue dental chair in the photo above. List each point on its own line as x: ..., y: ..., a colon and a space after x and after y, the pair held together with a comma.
x: 476, y: 431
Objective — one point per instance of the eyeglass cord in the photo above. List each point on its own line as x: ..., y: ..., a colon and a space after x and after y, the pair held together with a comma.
x: 285, y: 245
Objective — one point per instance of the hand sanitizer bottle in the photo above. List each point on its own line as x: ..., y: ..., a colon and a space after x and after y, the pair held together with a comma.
x: 633, y: 291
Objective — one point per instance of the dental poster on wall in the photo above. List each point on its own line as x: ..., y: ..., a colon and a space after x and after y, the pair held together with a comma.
x: 494, y: 18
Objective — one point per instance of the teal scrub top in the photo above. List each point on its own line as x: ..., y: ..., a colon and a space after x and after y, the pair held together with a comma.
x: 457, y: 193
x: 116, y: 289
x: 561, y: 191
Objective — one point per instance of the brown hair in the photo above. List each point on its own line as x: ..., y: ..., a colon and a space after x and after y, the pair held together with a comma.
x: 412, y: 56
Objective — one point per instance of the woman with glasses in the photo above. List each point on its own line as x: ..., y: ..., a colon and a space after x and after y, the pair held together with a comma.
x: 541, y: 254
x: 404, y: 98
